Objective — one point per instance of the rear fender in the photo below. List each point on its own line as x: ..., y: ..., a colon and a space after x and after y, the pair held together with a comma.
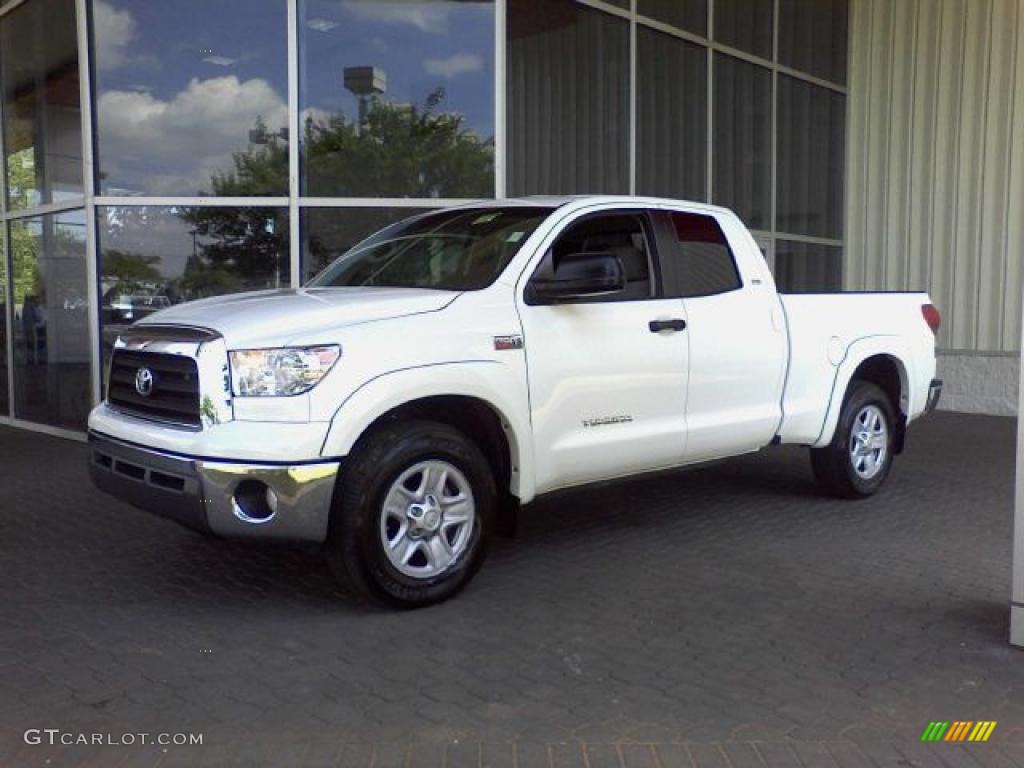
x: 856, y: 354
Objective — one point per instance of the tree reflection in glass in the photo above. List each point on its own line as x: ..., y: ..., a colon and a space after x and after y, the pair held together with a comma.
x: 397, y: 98
x: 398, y: 150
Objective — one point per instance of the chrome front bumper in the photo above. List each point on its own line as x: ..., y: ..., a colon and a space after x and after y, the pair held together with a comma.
x: 201, y: 493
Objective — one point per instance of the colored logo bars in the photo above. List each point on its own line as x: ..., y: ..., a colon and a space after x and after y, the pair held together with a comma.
x: 959, y: 730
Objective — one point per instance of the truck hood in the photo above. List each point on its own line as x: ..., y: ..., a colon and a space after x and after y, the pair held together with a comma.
x: 279, y: 317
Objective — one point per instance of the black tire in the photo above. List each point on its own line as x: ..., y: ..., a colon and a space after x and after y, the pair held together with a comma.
x: 834, y: 467
x: 355, y: 549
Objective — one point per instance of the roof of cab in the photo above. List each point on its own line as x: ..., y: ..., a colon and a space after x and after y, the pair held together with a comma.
x: 581, y: 201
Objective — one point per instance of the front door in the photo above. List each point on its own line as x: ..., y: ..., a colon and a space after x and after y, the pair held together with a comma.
x: 607, y: 374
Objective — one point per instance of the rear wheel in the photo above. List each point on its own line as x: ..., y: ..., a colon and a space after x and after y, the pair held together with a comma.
x: 857, y: 461
x: 411, y: 514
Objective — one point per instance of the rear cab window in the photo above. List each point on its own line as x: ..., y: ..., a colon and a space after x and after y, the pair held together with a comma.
x: 697, y: 260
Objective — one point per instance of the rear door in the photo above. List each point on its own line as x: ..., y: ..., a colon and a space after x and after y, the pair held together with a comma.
x: 737, y: 342
x: 607, y: 390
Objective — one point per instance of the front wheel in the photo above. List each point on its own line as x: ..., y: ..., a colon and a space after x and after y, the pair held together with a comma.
x: 857, y: 461
x: 411, y: 514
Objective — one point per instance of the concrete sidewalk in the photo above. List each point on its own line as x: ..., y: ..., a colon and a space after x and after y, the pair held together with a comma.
x: 729, y: 615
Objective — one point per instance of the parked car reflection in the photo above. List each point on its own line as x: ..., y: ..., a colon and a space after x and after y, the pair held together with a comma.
x: 121, y: 305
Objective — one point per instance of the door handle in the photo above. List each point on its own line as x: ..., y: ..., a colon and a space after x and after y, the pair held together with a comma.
x: 675, y: 324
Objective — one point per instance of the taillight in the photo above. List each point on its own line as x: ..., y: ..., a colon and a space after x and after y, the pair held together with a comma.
x: 932, y: 317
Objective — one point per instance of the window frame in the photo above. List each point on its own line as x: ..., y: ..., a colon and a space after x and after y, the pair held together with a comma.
x: 646, y: 218
x: 672, y: 247
x: 314, y: 56
x: 608, y: 72
x: 643, y: 185
x: 123, y: 175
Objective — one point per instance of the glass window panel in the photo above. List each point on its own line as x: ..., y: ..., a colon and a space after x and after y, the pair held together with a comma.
x: 329, y: 232
x: 152, y: 257
x: 672, y: 129
x: 397, y: 98
x: 811, y: 156
x: 568, y: 99
x: 742, y: 140
x: 745, y: 24
x: 51, y: 320
x: 691, y: 15
x: 808, y: 267
x: 812, y: 37
x: 703, y: 263
x: 191, y: 97
x: 42, y: 126
x: 624, y: 235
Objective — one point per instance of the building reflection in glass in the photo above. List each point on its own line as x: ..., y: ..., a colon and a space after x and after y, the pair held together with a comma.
x: 42, y: 121
x: 51, y: 319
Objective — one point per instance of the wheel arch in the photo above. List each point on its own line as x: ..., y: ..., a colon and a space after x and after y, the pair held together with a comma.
x: 475, y: 418
x: 472, y: 398
x: 888, y: 374
x: 881, y: 361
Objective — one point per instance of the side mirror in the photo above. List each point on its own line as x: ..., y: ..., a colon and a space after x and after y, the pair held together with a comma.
x: 578, y: 276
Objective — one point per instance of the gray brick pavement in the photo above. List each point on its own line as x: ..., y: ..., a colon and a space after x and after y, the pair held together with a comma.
x: 725, y: 616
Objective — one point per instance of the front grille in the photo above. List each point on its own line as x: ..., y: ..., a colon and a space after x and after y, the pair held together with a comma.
x: 175, y: 394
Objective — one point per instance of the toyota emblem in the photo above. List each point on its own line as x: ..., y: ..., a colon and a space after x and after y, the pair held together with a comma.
x: 144, y: 382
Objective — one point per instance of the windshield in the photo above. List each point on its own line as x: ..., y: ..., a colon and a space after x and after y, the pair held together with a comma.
x: 460, y: 250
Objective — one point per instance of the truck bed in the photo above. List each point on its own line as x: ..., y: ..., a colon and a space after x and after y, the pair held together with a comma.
x: 822, y: 329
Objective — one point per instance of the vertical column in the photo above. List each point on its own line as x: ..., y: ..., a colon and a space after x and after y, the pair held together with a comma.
x: 9, y: 309
x: 709, y: 162
x: 632, y: 95
x: 500, y: 88
x: 1017, y: 584
x: 8, y: 280
x: 92, y: 276
x: 294, y: 137
x: 774, y: 170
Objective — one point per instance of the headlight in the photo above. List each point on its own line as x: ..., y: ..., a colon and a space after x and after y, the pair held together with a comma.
x: 280, y: 372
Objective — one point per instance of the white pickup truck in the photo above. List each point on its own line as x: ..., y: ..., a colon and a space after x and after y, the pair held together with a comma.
x: 402, y: 405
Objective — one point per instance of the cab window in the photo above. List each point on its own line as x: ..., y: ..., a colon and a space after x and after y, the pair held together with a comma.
x: 621, y: 234
x: 701, y: 264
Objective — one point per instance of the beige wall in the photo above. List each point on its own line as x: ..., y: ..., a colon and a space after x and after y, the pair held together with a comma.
x: 935, y: 165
